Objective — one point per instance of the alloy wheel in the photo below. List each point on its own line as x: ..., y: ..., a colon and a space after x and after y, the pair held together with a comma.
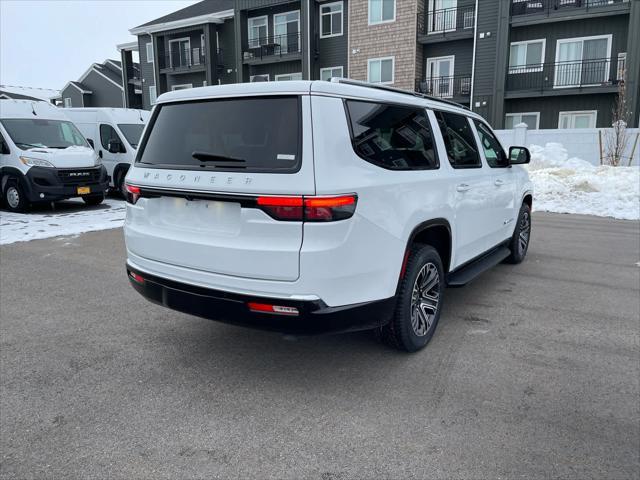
x: 424, y: 299
x: 525, y: 232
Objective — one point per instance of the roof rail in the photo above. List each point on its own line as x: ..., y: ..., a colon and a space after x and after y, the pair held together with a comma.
x: 377, y: 86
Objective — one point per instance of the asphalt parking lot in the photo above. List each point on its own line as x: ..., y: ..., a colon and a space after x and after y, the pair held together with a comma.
x: 534, y: 373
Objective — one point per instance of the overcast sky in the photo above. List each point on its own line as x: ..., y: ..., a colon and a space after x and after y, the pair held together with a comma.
x: 45, y: 43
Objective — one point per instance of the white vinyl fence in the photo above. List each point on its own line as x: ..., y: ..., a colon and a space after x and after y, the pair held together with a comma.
x: 580, y: 142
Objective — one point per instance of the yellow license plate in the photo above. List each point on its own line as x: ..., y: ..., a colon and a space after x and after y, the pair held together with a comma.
x: 84, y: 190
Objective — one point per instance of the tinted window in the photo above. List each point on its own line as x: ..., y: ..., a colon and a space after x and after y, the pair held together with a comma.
x: 35, y: 132
x: 493, y: 151
x: 247, y: 134
x: 107, y: 132
x: 132, y: 132
x: 392, y: 136
x: 458, y: 140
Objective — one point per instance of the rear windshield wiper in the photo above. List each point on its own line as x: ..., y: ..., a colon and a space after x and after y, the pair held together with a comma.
x: 212, y: 157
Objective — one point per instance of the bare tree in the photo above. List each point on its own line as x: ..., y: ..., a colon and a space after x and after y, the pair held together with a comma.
x: 617, y: 138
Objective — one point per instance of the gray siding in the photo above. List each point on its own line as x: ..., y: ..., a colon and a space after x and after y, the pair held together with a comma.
x: 194, y: 78
x: 332, y: 51
x: 146, y: 70
x: 227, y: 40
x: 74, y: 94
x: 274, y: 69
x: 462, y: 49
x: 105, y: 93
x: 550, y: 107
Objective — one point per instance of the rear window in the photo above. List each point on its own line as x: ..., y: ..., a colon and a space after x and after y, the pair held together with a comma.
x: 240, y: 134
x: 458, y: 140
x: 394, y: 137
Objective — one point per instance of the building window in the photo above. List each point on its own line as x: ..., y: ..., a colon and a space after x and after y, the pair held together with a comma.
x: 622, y: 66
x: 288, y: 76
x: 525, y: 57
x: 581, y: 119
x: 582, y: 61
x: 381, y: 11
x: 443, y: 16
x: 67, y: 103
x: 440, y: 76
x: 257, y: 31
x: 532, y: 119
x: 152, y: 95
x: 380, y: 70
x: 184, y: 86
x: 149, y: 52
x: 328, y: 73
x: 259, y: 78
x: 286, y: 30
x: 331, y: 19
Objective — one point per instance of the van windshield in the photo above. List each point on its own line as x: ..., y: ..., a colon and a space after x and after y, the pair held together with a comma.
x: 132, y: 132
x: 260, y: 134
x: 36, y: 132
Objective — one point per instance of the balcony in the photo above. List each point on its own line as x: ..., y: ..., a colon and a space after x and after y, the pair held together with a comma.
x: 446, y: 24
x: 534, y: 11
x: 273, y: 48
x: 457, y: 87
x: 565, y: 78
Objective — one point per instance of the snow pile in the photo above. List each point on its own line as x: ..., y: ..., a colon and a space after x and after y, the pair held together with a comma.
x: 571, y: 185
x: 69, y: 218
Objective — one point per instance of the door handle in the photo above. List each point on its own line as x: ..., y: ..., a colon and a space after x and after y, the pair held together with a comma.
x: 463, y: 187
x: 498, y: 183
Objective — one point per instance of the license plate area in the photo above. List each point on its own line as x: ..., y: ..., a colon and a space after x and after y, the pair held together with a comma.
x: 198, y: 215
x: 84, y: 190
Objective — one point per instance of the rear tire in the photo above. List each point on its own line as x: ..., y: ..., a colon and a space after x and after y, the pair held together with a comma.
x: 519, y: 244
x: 419, y: 301
x: 13, y: 196
x: 93, y: 199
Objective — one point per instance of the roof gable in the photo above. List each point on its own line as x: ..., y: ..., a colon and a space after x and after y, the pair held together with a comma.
x: 196, y: 10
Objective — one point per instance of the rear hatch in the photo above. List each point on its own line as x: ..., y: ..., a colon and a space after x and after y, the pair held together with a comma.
x: 200, y: 170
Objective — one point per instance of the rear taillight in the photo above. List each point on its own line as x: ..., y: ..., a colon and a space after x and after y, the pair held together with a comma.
x: 136, y: 278
x: 309, y: 209
x: 133, y: 193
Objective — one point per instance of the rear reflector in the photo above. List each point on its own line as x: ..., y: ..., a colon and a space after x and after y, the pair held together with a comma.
x: 273, y: 309
x: 133, y: 193
x: 309, y: 209
x: 136, y: 278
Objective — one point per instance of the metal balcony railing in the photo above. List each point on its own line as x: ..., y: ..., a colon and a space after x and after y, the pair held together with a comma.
x: 446, y: 20
x: 183, y: 58
x: 445, y: 87
x: 525, y: 7
x: 272, y: 45
x: 574, y: 74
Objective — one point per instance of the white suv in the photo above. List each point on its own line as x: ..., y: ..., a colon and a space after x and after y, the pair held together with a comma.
x: 311, y: 207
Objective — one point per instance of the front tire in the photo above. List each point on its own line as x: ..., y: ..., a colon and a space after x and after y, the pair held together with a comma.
x: 419, y: 301
x: 519, y: 244
x: 93, y: 199
x: 14, y: 197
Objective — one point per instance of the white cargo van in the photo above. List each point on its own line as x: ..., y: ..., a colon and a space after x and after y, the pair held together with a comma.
x: 114, y: 133
x: 45, y: 158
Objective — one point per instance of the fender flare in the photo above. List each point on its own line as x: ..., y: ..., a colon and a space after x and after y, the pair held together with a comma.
x: 421, y: 227
x: 6, y: 172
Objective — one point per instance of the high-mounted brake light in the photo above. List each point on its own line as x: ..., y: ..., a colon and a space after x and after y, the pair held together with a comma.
x: 309, y: 209
x: 273, y: 309
x: 133, y: 193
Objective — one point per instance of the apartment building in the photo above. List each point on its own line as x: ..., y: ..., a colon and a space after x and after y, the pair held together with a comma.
x: 548, y: 63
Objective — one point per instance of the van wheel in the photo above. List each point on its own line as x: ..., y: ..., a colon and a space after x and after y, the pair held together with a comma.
x: 14, y: 197
x: 93, y: 199
x: 119, y: 182
x: 419, y: 301
x: 519, y: 243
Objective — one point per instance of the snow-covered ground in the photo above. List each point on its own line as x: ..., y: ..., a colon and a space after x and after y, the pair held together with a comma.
x: 571, y: 185
x: 68, y: 218
x: 561, y: 184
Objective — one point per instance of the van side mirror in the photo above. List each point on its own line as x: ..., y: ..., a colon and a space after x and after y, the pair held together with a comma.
x: 519, y: 155
x: 90, y: 141
x: 4, y: 148
x: 114, y: 146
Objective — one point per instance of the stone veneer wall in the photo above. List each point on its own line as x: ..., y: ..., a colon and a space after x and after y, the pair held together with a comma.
x: 397, y: 39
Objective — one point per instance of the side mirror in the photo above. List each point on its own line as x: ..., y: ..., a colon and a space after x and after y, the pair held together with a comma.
x: 4, y: 148
x: 519, y: 155
x: 114, y: 146
x: 90, y: 141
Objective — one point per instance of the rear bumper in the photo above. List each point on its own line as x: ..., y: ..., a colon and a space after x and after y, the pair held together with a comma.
x: 314, y: 316
x: 50, y: 185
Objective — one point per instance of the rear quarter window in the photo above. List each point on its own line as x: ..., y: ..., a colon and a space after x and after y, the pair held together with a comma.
x: 261, y: 134
x: 395, y: 137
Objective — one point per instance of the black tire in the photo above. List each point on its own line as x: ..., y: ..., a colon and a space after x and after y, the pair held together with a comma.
x: 409, y: 330
x: 519, y: 243
x: 14, y: 198
x: 119, y: 182
x: 93, y: 199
